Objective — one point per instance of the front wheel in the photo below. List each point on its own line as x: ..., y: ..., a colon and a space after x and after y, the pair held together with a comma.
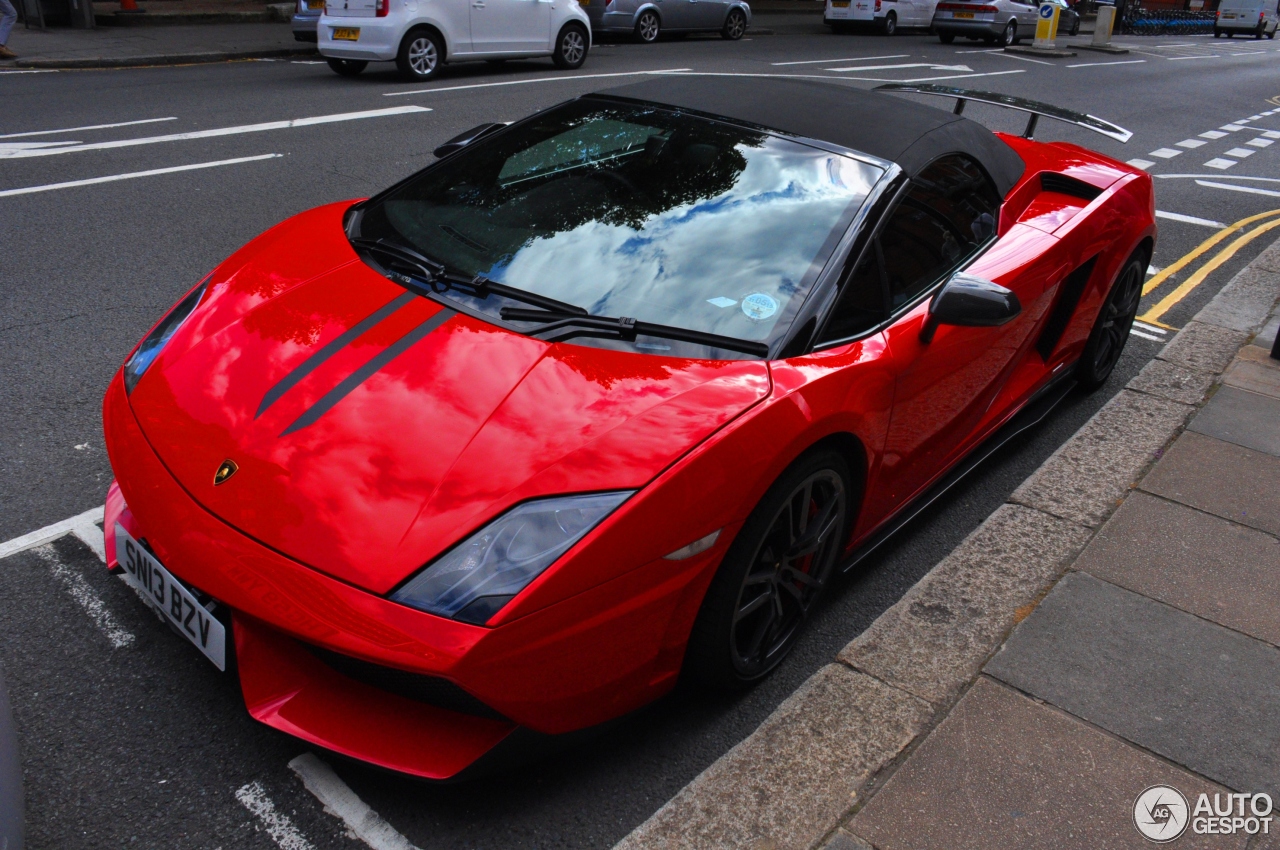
x: 946, y: 37
x: 735, y: 26
x: 571, y: 48
x: 773, y: 576
x: 1075, y: 28
x: 648, y: 27
x: 420, y: 57
x: 890, y: 25
x: 1111, y: 328
x: 347, y: 67
x: 1010, y: 34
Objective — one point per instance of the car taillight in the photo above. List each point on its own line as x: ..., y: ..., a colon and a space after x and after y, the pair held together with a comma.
x: 877, y: 5
x: 1262, y: 16
x: 384, y: 6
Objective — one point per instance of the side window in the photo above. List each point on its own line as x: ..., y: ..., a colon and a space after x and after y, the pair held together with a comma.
x: 861, y: 303
x: 947, y: 216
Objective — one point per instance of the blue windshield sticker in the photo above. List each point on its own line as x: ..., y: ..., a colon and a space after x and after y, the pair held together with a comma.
x: 721, y: 302
x: 758, y: 306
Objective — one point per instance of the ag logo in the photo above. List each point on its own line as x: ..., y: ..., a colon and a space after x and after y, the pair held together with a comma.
x: 1160, y: 813
x: 225, y: 471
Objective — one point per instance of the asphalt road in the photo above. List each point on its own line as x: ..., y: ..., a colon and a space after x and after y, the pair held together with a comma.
x: 135, y: 740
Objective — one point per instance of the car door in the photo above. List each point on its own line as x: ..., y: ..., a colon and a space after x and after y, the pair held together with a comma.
x: 676, y: 14
x: 709, y: 14
x: 511, y: 26
x: 942, y: 387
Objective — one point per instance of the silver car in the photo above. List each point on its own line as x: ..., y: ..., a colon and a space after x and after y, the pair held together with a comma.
x: 647, y: 19
x: 305, y: 19
x: 993, y: 21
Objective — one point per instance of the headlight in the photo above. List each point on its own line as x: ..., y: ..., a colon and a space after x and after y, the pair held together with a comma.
x: 474, y: 579
x: 150, y: 348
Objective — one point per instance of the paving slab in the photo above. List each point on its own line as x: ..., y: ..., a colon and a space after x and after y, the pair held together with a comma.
x: 1086, y: 477
x: 1201, y: 695
x: 1198, y: 562
x: 935, y: 639
x: 786, y: 785
x: 1254, y: 370
x: 1005, y: 772
x: 1171, y: 381
x: 1238, y: 416
x: 1221, y: 478
x: 1204, y: 347
x: 1243, y: 304
x: 1269, y: 259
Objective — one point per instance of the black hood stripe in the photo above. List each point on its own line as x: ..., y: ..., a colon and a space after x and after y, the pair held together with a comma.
x: 306, y: 367
x: 359, y: 376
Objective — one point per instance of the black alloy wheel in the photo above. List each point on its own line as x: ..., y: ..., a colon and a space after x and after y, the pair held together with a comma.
x: 347, y: 67
x: 571, y: 48
x: 1111, y: 329
x: 890, y: 25
x: 1010, y: 34
x: 773, y: 575
x: 648, y: 27
x: 735, y: 26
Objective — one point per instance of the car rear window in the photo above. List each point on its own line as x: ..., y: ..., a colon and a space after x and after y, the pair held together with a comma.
x: 629, y: 210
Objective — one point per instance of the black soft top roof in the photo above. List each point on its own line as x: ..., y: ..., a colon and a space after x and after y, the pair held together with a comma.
x: 882, y: 125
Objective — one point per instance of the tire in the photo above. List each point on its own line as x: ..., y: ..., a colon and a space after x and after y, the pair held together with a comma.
x: 1111, y: 328
x: 735, y: 25
x: 648, y: 27
x: 1217, y: 33
x: 890, y: 25
x: 1257, y: 36
x: 1075, y: 28
x: 1231, y: 35
x: 421, y: 56
x: 347, y: 67
x: 758, y: 601
x: 1010, y: 34
x: 571, y: 47
x: 946, y: 37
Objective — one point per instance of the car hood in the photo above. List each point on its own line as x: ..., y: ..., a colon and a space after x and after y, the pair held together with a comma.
x: 372, y: 429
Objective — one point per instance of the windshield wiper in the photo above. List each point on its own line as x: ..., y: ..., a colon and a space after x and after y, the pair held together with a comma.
x: 410, y: 268
x: 604, y: 327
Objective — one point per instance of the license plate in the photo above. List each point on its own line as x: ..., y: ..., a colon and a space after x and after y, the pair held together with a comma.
x: 346, y: 34
x: 966, y: 15
x: 173, y: 601
x: 839, y: 4
x: 584, y: 3
x: 315, y: 5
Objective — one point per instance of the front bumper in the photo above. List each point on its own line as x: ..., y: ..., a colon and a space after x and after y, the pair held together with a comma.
x: 570, y: 666
x: 379, y: 38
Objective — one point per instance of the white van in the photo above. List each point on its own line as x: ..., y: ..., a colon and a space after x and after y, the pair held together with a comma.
x: 1248, y: 17
x: 885, y: 15
x: 422, y: 35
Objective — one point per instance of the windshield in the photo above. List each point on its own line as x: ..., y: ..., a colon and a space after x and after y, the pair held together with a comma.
x: 629, y: 210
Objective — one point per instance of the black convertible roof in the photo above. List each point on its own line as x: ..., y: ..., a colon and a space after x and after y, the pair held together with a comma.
x: 882, y: 125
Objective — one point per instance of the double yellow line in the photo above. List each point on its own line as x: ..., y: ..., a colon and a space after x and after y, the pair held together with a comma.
x: 1157, y: 311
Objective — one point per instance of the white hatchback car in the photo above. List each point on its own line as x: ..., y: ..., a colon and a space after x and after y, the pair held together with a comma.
x: 422, y: 35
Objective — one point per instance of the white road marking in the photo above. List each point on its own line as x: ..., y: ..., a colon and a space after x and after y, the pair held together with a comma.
x: 86, y: 597
x: 1178, y: 58
x: 1219, y: 163
x: 1191, y: 144
x: 1190, y: 219
x: 25, y: 146
x: 1240, y: 153
x: 963, y: 68
x: 956, y: 77
x: 1212, y: 134
x: 226, y: 131
x: 92, y: 536
x: 1100, y: 64
x: 1271, y: 134
x: 988, y: 50
x: 282, y: 831
x: 1151, y: 328
x: 1261, y: 143
x: 1023, y: 58
x: 1153, y: 270
x: 39, y: 71
x: 48, y: 187
x: 1252, y: 190
x: 50, y: 533
x: 1136, y: 332
x: 1236, y: 177
x: 1144, y: 164
x: 341, y: 802
x: 533, y: 80
x: 1231, y: 128
x: 1165, y: 153
x: 89, y: 127
x: 850, y: 59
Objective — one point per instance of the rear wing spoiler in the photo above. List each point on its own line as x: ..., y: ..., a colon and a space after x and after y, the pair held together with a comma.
x: 1035, y: 108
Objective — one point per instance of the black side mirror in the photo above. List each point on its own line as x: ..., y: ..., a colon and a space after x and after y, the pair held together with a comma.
x: 972, y: 302
x: 459, y: 142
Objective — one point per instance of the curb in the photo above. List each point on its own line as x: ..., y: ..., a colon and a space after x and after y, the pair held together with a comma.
x: 164, y: 59
x: 796, y: 780
x: 164, y: 19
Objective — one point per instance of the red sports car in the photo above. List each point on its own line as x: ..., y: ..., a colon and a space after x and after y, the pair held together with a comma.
x: 600, y: 400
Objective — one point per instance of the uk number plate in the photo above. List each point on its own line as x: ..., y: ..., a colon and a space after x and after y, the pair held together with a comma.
x: 346, y: 34
x: 964, y: 14
x: 173, y: 601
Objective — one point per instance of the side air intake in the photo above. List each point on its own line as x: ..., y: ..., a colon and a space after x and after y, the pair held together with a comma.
x: 1069, y: 292
x: 1064, y: 185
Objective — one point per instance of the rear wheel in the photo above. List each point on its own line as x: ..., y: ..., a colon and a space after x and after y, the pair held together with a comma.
x: 946, y: 37
x: 1262, y: 28
x: 571, y: 48
x: 1217, y: 33
x: 1111, y: 328
x: 648, y: 27
x: 890, y: 25
x: 1010, y: 34
x: 735, y: 26
x: 773, y: 575
x: 421, y: 56
x: 347, y: 67
x: 1075, y: 28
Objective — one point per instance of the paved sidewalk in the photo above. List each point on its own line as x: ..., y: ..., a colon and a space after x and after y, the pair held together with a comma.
x: 127, y: 46
x: 1115, y: 626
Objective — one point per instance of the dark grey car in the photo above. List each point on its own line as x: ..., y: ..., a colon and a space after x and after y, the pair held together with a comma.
x: 993, y: 21
x: 647, y: 19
